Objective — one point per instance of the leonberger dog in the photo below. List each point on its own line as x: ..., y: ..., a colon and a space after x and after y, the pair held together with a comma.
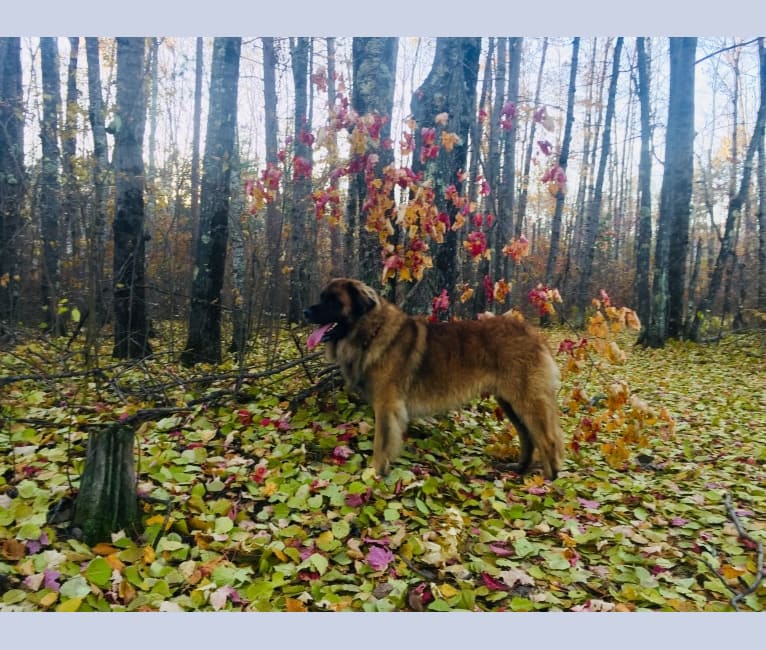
x: 407, y: 367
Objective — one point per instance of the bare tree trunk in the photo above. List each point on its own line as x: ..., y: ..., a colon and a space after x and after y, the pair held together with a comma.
x: 374, y: 78
x: 530, y: 146
x: 507, y: 196
x: 762, y: 218
x: 489, y: 165
x: 50, y: 197
x: 644, y: 230
x: 151, y: 188
x: 196, y: 130
x: 592, y: 221
x: 72, y: 203
x: 562, y: 162
x: 297, y: 253
x: 274, y: 215
x: 12, y: 179
x: 337, y: 259
x: 204, y: 341
x: 449, y: 87
x: 96, y: 227
x: 675, y: 195
x: 679, y: 238
x: 131, y: 332
x: 239, y: 313
x: 735, y: 204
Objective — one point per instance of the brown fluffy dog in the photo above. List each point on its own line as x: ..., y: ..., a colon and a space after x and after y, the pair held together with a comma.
x: 407, y: 367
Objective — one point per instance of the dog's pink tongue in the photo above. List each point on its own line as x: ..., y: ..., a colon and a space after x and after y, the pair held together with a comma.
x: 316, y: 336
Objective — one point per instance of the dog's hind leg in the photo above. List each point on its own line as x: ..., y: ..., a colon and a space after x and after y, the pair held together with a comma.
x: 525, y: 438
x: 390, y: 424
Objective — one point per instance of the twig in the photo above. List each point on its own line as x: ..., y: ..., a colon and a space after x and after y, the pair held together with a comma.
x: 743, y: 534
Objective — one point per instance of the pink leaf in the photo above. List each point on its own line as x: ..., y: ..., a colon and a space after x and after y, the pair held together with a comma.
x: 379, y: 558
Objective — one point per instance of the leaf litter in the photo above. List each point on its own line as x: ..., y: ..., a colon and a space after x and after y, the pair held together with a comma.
x: 254, y: 506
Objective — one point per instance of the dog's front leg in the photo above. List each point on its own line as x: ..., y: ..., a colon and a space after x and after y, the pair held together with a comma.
x: 390, y: 425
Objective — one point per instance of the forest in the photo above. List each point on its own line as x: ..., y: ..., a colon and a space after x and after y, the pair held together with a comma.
x: 170, y: 206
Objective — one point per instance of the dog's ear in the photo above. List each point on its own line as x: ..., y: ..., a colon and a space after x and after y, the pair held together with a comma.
x: 363, y: 298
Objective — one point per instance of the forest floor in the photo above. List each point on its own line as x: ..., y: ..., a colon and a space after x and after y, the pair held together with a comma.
x: 247, y: 505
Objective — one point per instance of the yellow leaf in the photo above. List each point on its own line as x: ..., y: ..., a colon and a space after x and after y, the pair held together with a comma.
x: 269, y: 488
x: 149, y: 555
x: 48, y: 599
x: 325, y: 538
x: 294, y: 605
x: 71, y: 605
x: 278, y: 552
x: 104, y: 549
x: 126, y: 591
x: 447, y: 591
x: 115, y: 562
x: 731, y: 572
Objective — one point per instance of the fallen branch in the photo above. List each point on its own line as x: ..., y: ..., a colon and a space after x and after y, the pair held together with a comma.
x: 744, y: 535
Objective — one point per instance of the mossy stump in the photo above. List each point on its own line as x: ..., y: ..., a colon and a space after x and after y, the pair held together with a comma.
x: 106, y: 502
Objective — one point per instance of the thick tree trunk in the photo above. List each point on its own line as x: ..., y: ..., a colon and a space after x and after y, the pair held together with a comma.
x: 374, y: 78
x: 106, y: 502
x: 676, y: 191
x: 449, y: 87
x: 130, y: 322
x: 644, y: 230
x: 737, y: 201
x: 12, y: 179
x: 592, y: 221
x: 204, y: 340
x: 553, y: 252
x: 679, y: 238
x: 50, y: 197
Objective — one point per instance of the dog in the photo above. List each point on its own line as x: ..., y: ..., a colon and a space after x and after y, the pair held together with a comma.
x: 407, y: 367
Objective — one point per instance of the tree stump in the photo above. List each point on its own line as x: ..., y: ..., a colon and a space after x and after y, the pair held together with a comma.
x: 106, y: 502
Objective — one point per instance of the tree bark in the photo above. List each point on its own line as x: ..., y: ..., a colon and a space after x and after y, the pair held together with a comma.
x: 12, y: 179
x: 644, y: 230
x: 374, y: 78
x: 196, y: 129
x: 50, y: 197
x: 96, y: 226
x: 449, y: 87
x: 593, y: 217
x: 131, y: 336
x: 507, y: 196
x: 298, y: 249
x: 762, y: 214
x: 204, y: 340
x: 675, y: 194
x: 530, y: 146
x: 337, y: 259
x: 72, y: 203
x: 106, y: 501
x: 274, y: 215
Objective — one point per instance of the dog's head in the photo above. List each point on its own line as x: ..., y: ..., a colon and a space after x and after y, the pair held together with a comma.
x: 341, y: 304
